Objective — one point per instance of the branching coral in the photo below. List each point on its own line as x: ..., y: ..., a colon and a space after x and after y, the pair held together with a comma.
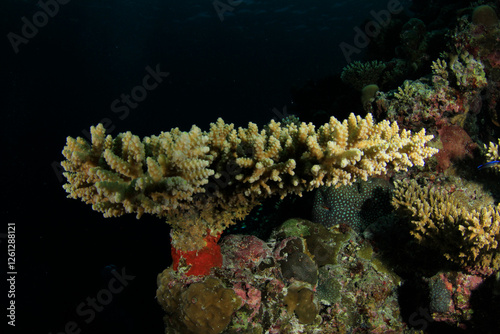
x: 204, y: 181
x: 492, y: 153
x: 466, y: 236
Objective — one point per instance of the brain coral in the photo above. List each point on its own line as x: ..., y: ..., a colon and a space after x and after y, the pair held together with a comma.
x: 484, y: 15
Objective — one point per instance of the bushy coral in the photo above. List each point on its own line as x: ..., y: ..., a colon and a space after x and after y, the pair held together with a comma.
x: 467, y: 236
x: 492, y: 153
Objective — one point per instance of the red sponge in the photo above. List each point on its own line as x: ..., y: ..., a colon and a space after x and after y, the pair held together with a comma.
x: 201, y: 260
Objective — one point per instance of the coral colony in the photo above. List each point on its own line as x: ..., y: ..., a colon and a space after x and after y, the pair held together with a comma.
x: 382, y: 222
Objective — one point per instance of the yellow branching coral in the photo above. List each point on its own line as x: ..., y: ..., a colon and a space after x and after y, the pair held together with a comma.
x: 406, y: 94
x: 466, y: 236
x: 492, y: 153
x: 204, y: 181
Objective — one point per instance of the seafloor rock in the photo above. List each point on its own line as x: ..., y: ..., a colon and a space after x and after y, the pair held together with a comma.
x: 306, y: 279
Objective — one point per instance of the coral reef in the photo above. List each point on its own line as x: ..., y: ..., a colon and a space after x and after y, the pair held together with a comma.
x: 351, y: 291
x: 481, y: 39
x: 204, y: 181
x: 466, y: 236
x: 452, y: 97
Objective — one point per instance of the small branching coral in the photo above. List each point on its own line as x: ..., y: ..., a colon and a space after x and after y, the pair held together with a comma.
x: 492, y: 153
x: 466, y: 236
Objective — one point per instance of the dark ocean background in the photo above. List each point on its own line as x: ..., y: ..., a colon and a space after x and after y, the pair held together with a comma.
x: 239, y: 66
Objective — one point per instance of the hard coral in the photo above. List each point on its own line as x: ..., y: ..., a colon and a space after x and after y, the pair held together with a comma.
x: 484, y: 15
x: 204, y: 307
x: 357, y: 205
x: 302, y: 301
x: 453, y: 94
x: 450, y: 297
x: 207, y: 180
x: 457, y: 145
x: 467, y: 236
x: 360, y: 74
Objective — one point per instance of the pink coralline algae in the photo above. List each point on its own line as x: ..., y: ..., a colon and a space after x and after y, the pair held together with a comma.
x: 457, y: 145
x: 249, y: 295
x: 450, y: 294
x: 246, y: 251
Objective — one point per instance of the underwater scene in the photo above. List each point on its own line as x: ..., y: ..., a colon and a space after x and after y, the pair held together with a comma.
x: 248, y: 166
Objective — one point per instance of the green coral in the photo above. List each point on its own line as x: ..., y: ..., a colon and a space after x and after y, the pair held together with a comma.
x: 359, y: 74
x: 357, y: 205
x: 204, y: 307
x: 302, y: 301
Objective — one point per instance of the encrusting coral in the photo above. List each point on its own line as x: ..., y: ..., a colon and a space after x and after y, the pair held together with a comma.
x: 356, y: 205
x: 466, y: 236
x: 204, y: 181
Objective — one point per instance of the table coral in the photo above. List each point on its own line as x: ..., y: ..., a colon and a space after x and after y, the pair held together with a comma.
x: 204, y: 181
